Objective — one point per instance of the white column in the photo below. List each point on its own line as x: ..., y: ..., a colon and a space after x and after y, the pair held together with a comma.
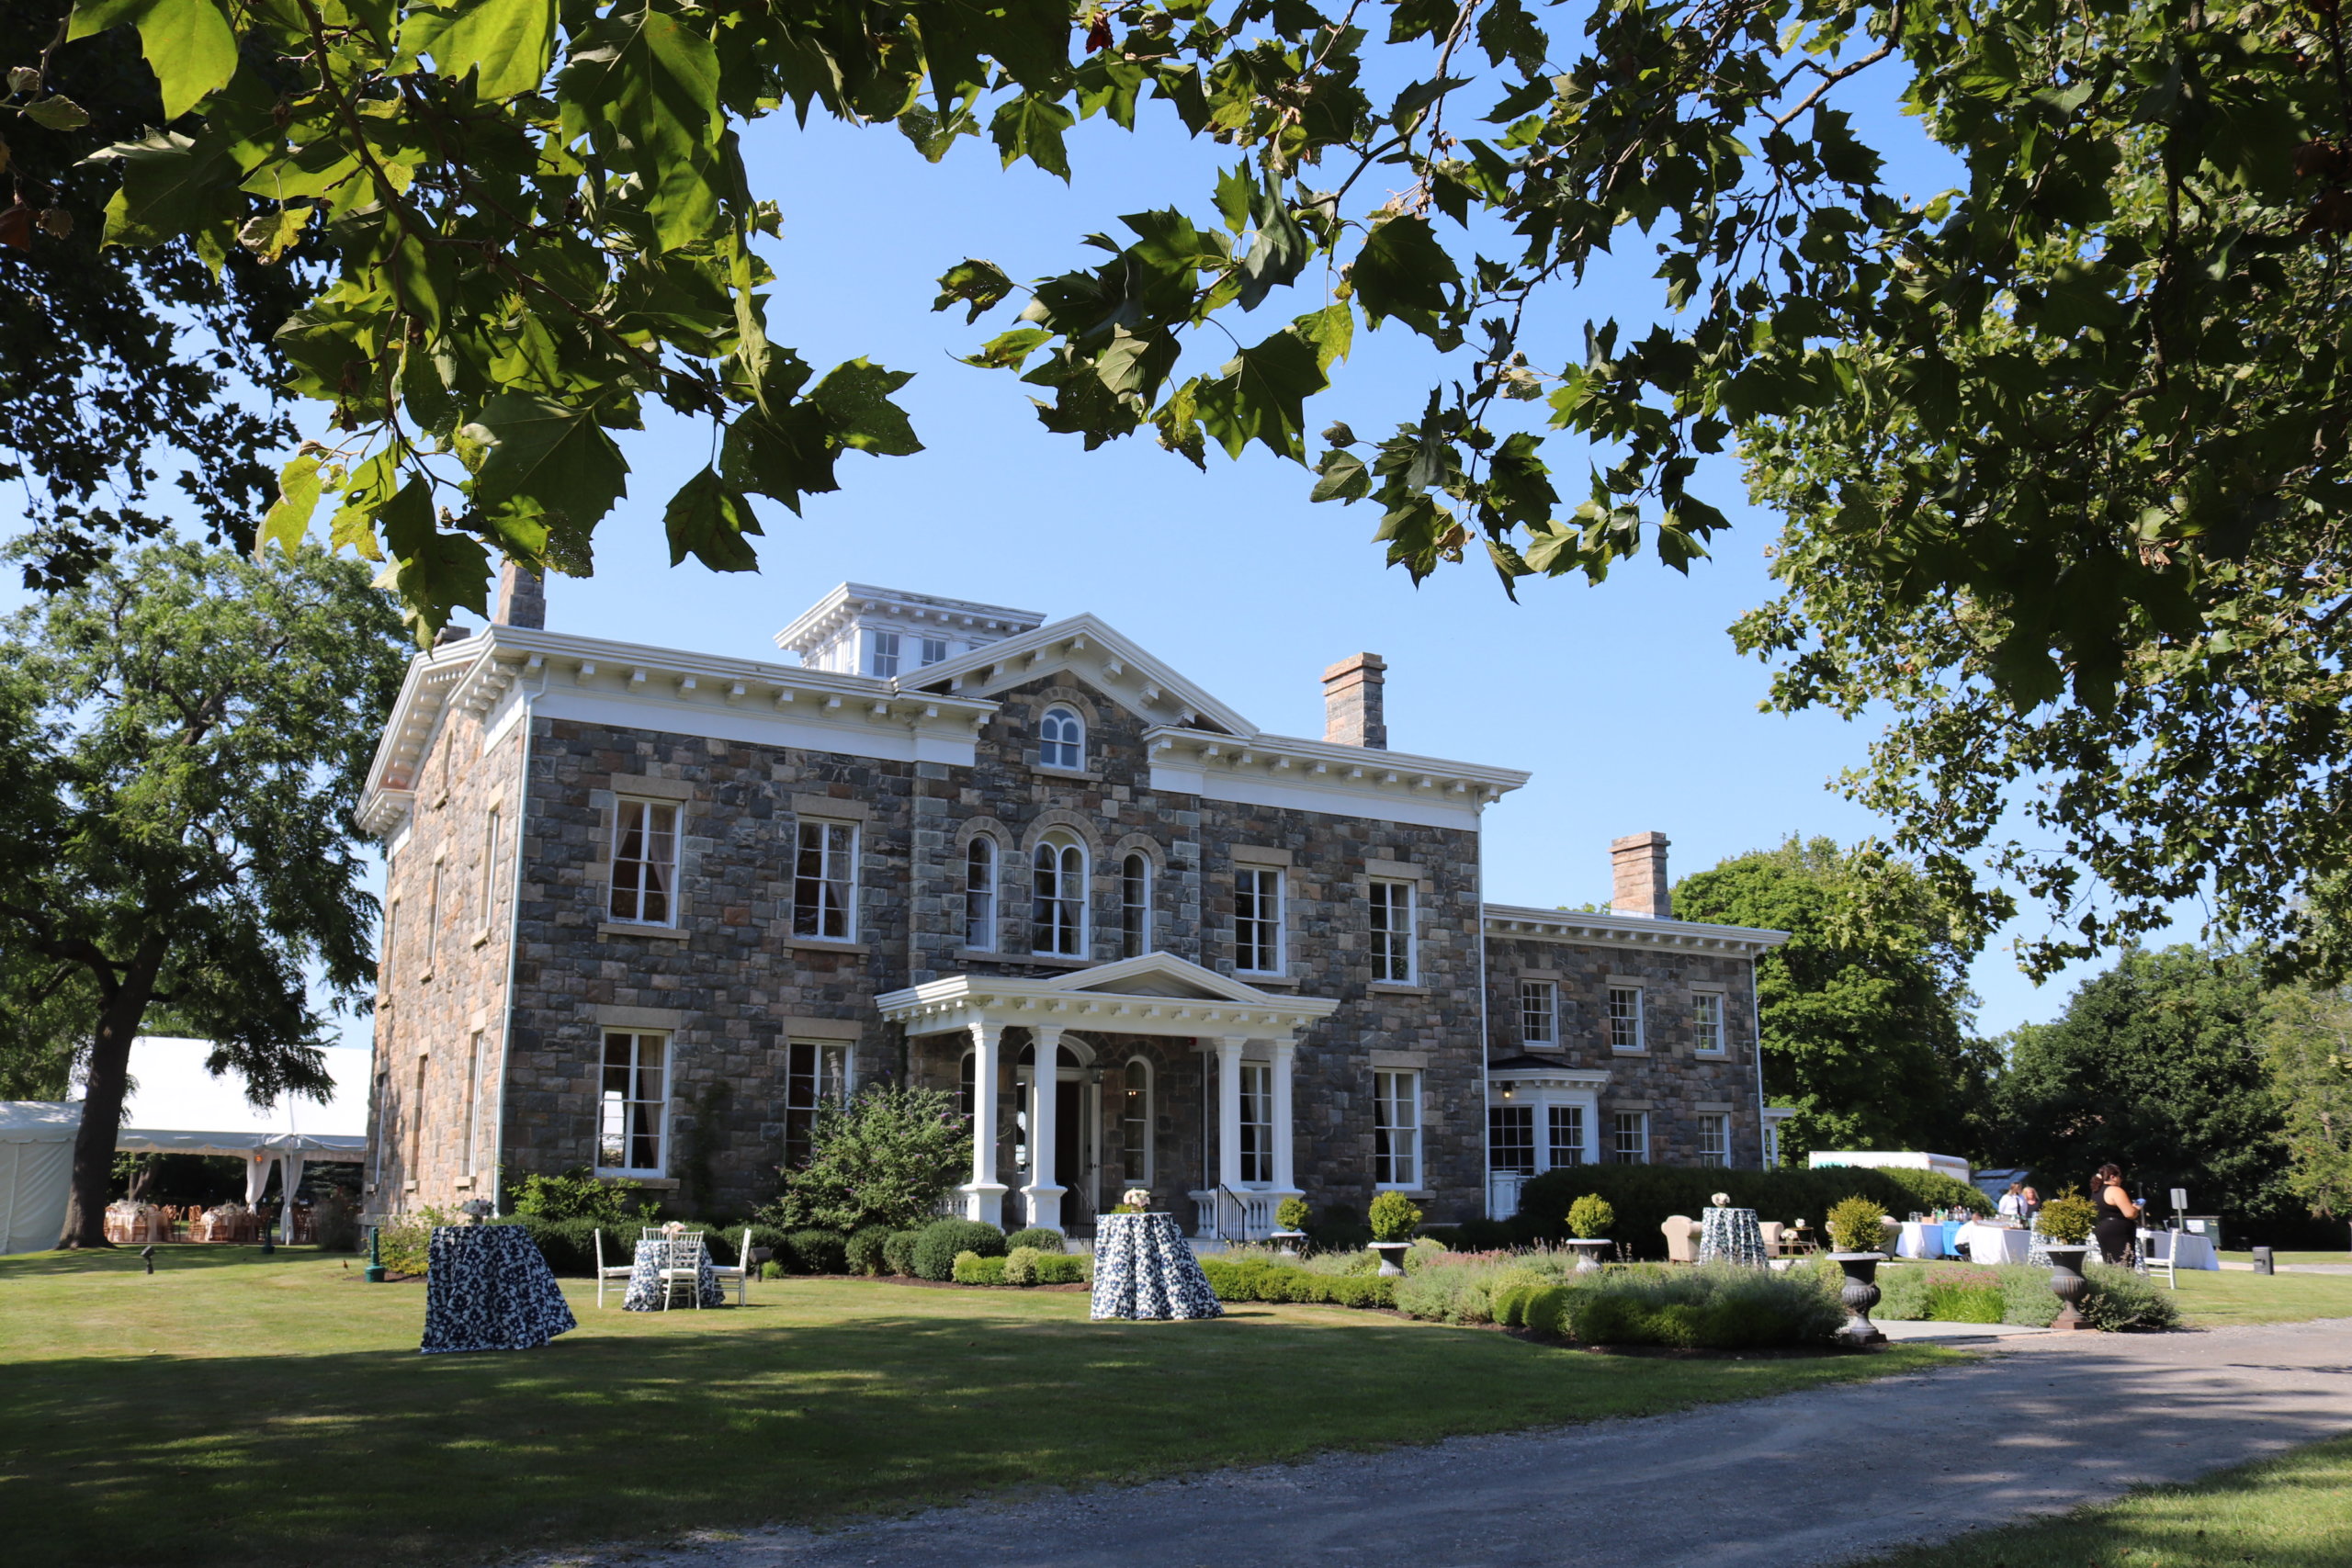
x: 1285, y: 1185
x: 1044, y: 1078
x: 984, y: 1194
x: 1228, y: 1110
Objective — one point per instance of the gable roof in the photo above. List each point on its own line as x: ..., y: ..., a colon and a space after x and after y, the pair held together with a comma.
x: 1108, y: 660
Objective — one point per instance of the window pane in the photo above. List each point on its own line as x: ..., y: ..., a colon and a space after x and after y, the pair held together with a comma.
x: 1538, y: 1010
x: 1256, y: 1121
x: 632, y: 1105
x: 1134, y: 1123
x: 1397, y: 1146
x: 1624, y: 1018
x: 1707, y: 1021
x: 1134, y: 907
x: 822, y: 884
x: 980, y: 895
x: 1566, y: 1134
x: 886, y: 654
x: 1632, y: 1137
x: 1510, y: 1132
x: 1714, y: 1138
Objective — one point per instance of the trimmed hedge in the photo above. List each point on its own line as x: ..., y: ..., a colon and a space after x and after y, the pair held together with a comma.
x: 937, y: 1244
x: 971, y: 1269
x: 1261, y: 1279
x: 1644, y: 1195
x: 1045, y: 1268
x: 862, y: 1251
x: 818, y: 1252
x: 1041, y: 1238
x: 899, y: 1253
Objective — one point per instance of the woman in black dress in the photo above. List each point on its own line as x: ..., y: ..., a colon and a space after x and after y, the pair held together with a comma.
x: 2118, y: 1217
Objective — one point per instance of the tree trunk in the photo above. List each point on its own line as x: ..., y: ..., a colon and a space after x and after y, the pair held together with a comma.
x: 119, y: 1019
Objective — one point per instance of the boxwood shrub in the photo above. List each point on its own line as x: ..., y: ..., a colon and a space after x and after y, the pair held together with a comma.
x: 1261, y: 1279
x: 817, y: 1252
x: 1041, y: 1238
x: 899, y: 1253
x: 862, y: 1253
x: 970, y: 1268
x: 937, y: 1244
x: 1644, y: 1195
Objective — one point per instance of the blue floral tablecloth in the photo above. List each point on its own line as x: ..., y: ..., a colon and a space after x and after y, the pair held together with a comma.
x: 486, y: 1287
x: 645, y: 1281
x: 1730, y: 1235
x: 1144, y: 1268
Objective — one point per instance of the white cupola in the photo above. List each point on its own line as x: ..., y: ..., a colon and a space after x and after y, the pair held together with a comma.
x: 882, y: 632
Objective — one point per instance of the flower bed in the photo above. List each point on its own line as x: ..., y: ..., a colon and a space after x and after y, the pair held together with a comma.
x: 2116, y: 1300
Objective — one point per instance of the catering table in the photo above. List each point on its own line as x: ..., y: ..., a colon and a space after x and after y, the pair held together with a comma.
x: 1730, y: 1235
x: 486, y: 1287
x: 645, y: 1291
x: 1145, y: 1268
x: 2189, y: 1250
x: 1925, y: 1238
x: 1994, y: 1244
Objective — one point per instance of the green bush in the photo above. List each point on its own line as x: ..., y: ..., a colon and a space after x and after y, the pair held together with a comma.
x: 1020, y: 1265
x: 2026, y: 1296
x: 863, y: 1253
x: 1292, y: 1214
x: 886, y: 1157
x: 1955, y: 1301
x: 580, y: 1194
x: 1394, y: 1217
x: 1038, y: 1237
x: 771, y: 1269
x: 969, y: 1268
x: 1644, y: 1195
x: 2067, y: 1219
x: 1934, y: 1189
x: 899, y: 1253
x: 1714, y: 1308
x: 938, y: 1243
x: 1064, y: 1269
x: 814, y: 1251
x: 1261, y: 1280
x: 405, y: 1240
x: 1590, y: 1216
x: 2122, y: 1301
x: 1857, y: 1224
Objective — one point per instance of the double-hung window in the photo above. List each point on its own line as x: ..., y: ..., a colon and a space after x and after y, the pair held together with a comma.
x: 633, y: 1110
x: 1511, y: 1137
x: 645, y: 862
x: 1714, y: 1138
x: 886, y: 655
x: 824, y: 882
x: 1135, y: 905
x: 1539, y: 1014
x: 980, y: 895
x: 1257, y: 919
x: 1567, y: 1132
x: 1392, y: 932
x: 1061, y: 740
x: 1135, y: 1122
x: 1707, y: 1022
x: 1631, y: 1142
x: 1256, y: 1121
x: 1625, y: 1018
x: 1396, y: 1129
x: 1057, y: 904
x: 816, y: 1073
x: 935, y: 651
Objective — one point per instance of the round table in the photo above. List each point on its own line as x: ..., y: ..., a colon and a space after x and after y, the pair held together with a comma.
x: 645, y: 1291
x: 1145, y: 1268
x: 486, y: 1287
x: 1730, y: 1235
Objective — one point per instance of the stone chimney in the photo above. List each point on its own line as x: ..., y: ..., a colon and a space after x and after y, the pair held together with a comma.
x: 522, y: 599
x: 1639, y: 862
x: 1351, y: 705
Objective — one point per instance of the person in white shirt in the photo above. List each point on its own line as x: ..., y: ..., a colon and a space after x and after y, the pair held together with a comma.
x: 2012, y: 1205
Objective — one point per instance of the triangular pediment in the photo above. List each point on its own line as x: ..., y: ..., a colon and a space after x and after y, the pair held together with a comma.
x: 1090, y: 650
x: 1160, y: 974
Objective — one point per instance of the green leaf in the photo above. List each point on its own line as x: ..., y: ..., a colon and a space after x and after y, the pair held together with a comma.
x: 510, y: 42
x: 433, y: 573
x: 647, y: 84
x: 272, y: 234
x: 171, y: 185
x: 855, y: 397
x: 1402, y: 271
x: 709, y: 521
x: 297, y: 499
x: 57, y: 114
x: 1260, y: 394
x: 1031, y: 127
x: 783, y: 451
x: 981, y: 286
x: 541, y: 456
x: 1341, y: 477
x: 188, y: 44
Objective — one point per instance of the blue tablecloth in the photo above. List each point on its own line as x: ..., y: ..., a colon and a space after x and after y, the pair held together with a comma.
x: 1730, y: 1235
x: 486, y: 1287
x: 1145, y: 1268
x: 645, y: 1281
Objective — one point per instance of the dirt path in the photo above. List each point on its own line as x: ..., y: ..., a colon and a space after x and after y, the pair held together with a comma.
x: 2037, y: 1426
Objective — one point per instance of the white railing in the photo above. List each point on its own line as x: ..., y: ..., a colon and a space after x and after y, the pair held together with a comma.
x: 1502, y: 1193
x: 1227, y: 1216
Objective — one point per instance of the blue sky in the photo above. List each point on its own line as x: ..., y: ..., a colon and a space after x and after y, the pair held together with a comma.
x: 1627, y: 701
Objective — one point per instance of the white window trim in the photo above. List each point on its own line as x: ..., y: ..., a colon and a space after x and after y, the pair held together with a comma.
x: 1550, y: 1041
x: 1261, y: 1072
x: 1281, y: 944
x: 848, y: 1049
x: 1150, y: 1098
x: 1722, y: 1046
x: 472, y: 1165
x: 853, y: 854
x: 1412, y: 976
x: 1641, y: 1045
x: 1614, y: 1150
x: 1075, y: 720
x: 1058, y: 841
x: 1542, y: 1099
x: 1144, y: 944
x: 1420, y: 1121
x: 677, y: 858
x: 886, y: 646
x: 1722, y: 1120
x: 432, y: 919
x: 668, y: 1068
x: 990, y: 929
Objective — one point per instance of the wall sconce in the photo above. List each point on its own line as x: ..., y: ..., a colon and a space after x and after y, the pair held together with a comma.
x: 1510, y: 1090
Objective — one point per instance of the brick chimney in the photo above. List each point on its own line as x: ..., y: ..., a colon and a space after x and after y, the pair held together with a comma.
x: 522, y: 599
x: 1351, y: 706
x: 1639, y: 863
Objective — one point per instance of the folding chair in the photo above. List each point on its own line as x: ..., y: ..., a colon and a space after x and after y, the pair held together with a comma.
x: 682, y: 1263
x: 741, y: 1270
x: 610, y: 1271
x: 2143, y: 1243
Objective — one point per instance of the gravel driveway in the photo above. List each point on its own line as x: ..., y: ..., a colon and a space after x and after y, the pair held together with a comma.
x: 2036, y: 1426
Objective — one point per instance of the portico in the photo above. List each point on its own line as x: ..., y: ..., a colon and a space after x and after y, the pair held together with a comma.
x: 1251, y: 1036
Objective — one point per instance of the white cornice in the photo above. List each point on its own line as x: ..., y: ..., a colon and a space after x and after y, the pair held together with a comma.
x: 822, y: 621
x: 1322, y: 763
x: 1090, y: 999
x: 1627, y: 931
x: 1111, y: 661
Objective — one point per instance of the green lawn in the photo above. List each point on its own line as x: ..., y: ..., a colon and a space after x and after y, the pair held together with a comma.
x: 2291, y: 1258
x: 2215, y: 1300
x: 236, y: 1410
x: 2294, y: 1512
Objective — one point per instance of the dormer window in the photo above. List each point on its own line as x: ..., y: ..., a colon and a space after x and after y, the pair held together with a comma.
x: 1061, y: 740
x: 935, y: 651
x: 886, y: 656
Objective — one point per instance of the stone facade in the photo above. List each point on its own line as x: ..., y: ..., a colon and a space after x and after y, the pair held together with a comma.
x: 505, y: 1027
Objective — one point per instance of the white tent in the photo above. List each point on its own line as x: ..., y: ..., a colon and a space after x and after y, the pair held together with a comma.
x: 36, y: 1170
x: 178, y: 1107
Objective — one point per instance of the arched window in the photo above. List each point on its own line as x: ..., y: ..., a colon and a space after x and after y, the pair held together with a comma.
x: 966, y: 1078
x: 1061, y: 739
x: 1135, y: 1122
x: 1135, y: 905
x: 980, y: 893
x: 1060, y: 909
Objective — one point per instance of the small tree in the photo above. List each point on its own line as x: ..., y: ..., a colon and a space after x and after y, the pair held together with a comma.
x: 1856, y: 1224
x: 2309, y: 1058
x: 886, y: 1157
x: 1590, y: 1216
x: 1394, y: 1217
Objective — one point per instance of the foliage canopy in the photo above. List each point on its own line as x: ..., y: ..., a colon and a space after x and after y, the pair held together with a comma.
x: 885, y: 1158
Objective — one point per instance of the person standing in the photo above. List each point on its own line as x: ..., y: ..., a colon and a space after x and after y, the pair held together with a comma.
x: 2012, y: 1203
x: 2118, y: 1217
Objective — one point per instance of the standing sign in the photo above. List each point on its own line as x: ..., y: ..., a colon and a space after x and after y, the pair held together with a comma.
x: 2180, y: 1199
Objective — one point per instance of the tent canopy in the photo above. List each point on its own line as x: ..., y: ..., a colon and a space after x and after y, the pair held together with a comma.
x: 36, y: 1170
x: 176, y: 1106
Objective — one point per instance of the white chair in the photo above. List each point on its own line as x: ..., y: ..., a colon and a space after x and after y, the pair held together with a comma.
x: 2145, y: 1244
x: 605, y: 1271
x: 741, y: 1270
x: 682, y: 1264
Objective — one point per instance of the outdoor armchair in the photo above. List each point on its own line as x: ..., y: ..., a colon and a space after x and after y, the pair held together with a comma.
x: 1681, y: 1238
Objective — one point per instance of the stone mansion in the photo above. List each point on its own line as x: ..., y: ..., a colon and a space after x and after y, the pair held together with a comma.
x: 646, y: 910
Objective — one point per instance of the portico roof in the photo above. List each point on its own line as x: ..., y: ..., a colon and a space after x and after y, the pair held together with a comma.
x: 1155, y: 994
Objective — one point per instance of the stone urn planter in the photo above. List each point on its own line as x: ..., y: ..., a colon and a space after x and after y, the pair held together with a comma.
x: 2067, y: 1282
x: 1287, y: 1242
x: 1392, y: 1254
x: 1589, y: 1250
x: 1859, y: 1294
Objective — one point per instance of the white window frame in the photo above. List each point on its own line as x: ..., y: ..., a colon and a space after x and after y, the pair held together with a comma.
x: 646, y: 882
x: 885, y: 657
x: 473, y: 1165
x: 983, y: 875
x: 1511, y: 1110
x: 1257, y: 1095
x: 1129, y: 1164
x: 1395, y: 942
x: 1057, y: 900
x: 834, y: 885
x: 968, y: 1072
x: 488, y: 865
x: 1135, y: 905
x: 1547, y: 1012
x: 605, y: 1106
x: 832, y: 1071
x: 1714, y: 1127
x: 1061, y: 739
x: 1251, y: 886
x: 1612, y: 1018
x: 1620, y: 1123
x: 1549, y: 1147
x: 1702, y: 1004
x: 1395, y: 1089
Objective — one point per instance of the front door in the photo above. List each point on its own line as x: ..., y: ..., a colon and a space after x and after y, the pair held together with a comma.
x: 1073, y: 1164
